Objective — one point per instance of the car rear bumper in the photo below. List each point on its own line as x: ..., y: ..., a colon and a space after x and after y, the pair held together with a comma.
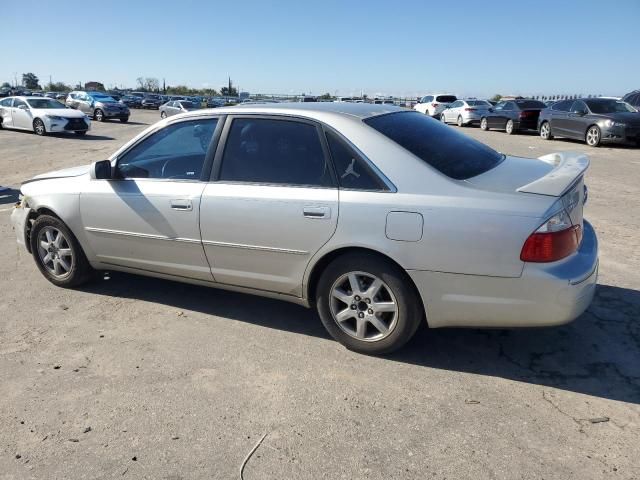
x: 544, y: 295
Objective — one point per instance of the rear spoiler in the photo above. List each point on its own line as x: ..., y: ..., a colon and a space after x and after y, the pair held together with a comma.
x: 569, y: 167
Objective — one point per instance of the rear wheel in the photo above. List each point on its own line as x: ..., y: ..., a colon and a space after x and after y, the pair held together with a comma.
x: 460, y: 124
x: 368, y: 304
x: 38, y: 127
x: 593, y: 136
x: 57, y: 253
x: 484, y: 125
x: 545, y: 131
x: 80, y: 132
x: 124, y: 119
x: 163, y: 114
x: 510, y: 128
x: 98, y: 115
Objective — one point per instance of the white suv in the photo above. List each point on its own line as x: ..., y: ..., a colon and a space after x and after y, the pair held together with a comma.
x: 433, y: 105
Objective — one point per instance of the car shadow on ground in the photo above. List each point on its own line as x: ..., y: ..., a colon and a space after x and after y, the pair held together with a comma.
x: 130, y: 122
x: 8, y: 196
x: 88, y: 137
x: 598, y: 354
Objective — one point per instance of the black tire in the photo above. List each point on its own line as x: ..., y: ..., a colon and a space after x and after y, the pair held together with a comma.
x: 163, y: 115
x: 124, y: 120
x: 98, y: 115
x: 80, y: 133
x: 39, y: 128
x: 408, y: 316
x: 484, y: 124
x: 80, y: 271
x: 460, y: 124
x: 593, y: 136
x: 510, y: 128
x: 545, y: 131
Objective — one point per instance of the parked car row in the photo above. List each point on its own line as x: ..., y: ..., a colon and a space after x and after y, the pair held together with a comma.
x: 98, y: 105
x: 592, y: 120
x: 41, y: 115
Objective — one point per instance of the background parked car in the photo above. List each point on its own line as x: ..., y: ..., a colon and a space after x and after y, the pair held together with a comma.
x: 592, y: 120
x: 465, y: 112
x: 177, y: 106
x: 513, y: 115
x: 131, y: 101
x: 433, y: 105
x: 633, y: 99
x: 41, y: 115
x: 98, y: 105
x: 151, y: 101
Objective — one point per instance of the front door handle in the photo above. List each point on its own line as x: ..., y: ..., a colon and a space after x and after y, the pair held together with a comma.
x: 316, y: 212
x: 183, y: 205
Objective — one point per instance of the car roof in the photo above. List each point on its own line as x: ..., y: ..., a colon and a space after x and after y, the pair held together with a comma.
x: 313, y: 109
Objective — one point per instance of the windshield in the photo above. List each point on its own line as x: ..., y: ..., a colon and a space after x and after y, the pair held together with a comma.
x: 530, y: 104
x: 608, y: 106
x: 451, y: 153
x: 44, y: 103
x: 478, y: 103
x: 101, y: 97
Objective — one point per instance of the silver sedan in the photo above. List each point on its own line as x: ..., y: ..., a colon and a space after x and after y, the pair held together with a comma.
x: 174, y: 107
x: 465, y: 112
x: 381, y: 218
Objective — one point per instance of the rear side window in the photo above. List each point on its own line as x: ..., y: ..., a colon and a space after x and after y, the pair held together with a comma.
x: 261, y: 150
x: 446, y: 98
x: 442, y: 147
x: 562, y: 106
x: 530, y: 104
x: 353, y: 172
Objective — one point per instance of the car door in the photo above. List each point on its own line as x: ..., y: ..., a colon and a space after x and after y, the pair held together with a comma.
x: 496, y: 118
x: 21, y: 114
x: 5, y: 112
x: 147, y: 216
x: 449, y: 113
x: 577, y: 120
x: 272, y: 204
x: 558, y: 117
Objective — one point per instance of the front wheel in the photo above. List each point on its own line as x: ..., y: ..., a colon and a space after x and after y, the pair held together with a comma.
x: 163, y: 114
x: 57, y: 253
x: 510, y: 128
x: 459, y: 122
x: 80, y: 133
x: 38, y: 127
x: 545, y: 131
x: 484, y: 125
x: 98, y: 115
x: 593, y: 136
x: 124, y: 119
x: 368, y: 303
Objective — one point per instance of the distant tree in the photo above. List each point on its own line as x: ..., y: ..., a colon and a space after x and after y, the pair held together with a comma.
x: 325, y: 96
x: 30, y: 81
x: 97, y: 86
x: 5, y: 85
x: 57, y: 87
x: 151, y: 84
x: 140, y: 82
x: 229, y: 92
x: 496, y: 97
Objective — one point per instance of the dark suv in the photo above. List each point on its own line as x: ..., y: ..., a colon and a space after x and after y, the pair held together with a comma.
x: 152, y: 101
x: 633, y: 99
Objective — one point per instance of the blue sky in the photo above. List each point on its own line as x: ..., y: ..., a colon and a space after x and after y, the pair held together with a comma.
x: 344, y: 47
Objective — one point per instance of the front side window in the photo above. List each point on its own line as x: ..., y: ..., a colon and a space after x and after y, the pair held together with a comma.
x: 508, y: 106
x: 6, y: 102
x: 579, y: 107
x: 261, y: 150
x: 176, y: 152
x: 443, y: 148
x: 353, y: 172
x: 18, y: 103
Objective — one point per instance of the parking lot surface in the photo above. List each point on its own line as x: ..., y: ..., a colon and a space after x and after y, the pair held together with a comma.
x: 142, y: 378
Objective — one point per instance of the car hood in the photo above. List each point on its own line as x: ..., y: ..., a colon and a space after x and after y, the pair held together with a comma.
x: 61, y: 112
x: 64, y: 173
x: 631, y: 118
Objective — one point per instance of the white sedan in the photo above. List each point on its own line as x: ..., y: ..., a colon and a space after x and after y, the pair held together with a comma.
x: 41, y: 115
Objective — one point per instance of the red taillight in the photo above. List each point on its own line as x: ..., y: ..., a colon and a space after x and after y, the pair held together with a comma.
x: 551, y: 246
x: 528, y: 113
x: 434, y: 105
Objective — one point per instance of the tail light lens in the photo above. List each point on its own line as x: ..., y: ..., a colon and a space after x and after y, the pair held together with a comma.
x: 557, y: 238
x: 434, y: 105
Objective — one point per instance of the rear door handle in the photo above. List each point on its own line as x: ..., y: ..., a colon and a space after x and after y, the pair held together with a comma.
x: 184, y: 205
x: 316, y: 212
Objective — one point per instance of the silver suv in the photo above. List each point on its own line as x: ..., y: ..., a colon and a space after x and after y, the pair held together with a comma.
x: 98, y: 105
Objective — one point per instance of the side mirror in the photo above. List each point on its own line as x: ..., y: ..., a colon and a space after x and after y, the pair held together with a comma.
x: 100, y: 170
x: 23, y: 107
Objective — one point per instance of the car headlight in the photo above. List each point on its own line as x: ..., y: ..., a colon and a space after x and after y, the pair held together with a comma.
x: 611, y: 123
x: 55, y: 118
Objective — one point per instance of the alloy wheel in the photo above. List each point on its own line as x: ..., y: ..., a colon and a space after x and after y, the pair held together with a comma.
x: 483, y: 124
x: 545, y: 130
x: 363, y: 306
x: 38, y: 127
x: 443, y: 119
x: 509, y: 127
x: 459, y: 121
x: 593, y: 136
x: 55, y: 253
x: 99, y: 115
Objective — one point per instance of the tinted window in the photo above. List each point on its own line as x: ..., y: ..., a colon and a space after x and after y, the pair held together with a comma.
x: 578, y: 106
x: 478, y: 103
x: 632, y: 99
x: 353, y: 172
x: 609, y: 106
x: 177, y: 151
x: 562, y: 106
x: 446, y: 98
x: 6, y: 102
x: 274, y: 151
x: 509, y: 106
x: 452, y: 153
x: 530, y: 104
x: 17, y: 102
x: 44, y: 103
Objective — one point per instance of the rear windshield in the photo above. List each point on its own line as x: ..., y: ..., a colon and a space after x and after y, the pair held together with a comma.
x: 478, y: 103
x: 451, y: 153
x: 446, y: 98
x: 530, y: 104
x: 609, y: 106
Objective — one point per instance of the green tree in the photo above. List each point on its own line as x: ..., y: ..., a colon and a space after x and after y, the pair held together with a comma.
x: 496, y: 97
x: 229, y: 92
x: 325, y: 96
x: 30, y: 81
x: 57, y: 87
x: 5, y: 85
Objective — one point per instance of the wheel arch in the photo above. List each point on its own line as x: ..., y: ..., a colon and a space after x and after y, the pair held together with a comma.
x: 323, y: 262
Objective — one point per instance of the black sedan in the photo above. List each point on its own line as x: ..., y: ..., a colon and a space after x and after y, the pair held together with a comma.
x: 131, y: 101
x: 513, y: 115
x: 592, y: 120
